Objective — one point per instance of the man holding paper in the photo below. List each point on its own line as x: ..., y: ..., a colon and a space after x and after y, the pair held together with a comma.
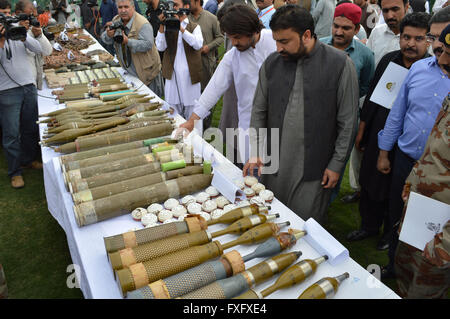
x: 426, y: 274
x: 407, y: 127
x: 373, y: 202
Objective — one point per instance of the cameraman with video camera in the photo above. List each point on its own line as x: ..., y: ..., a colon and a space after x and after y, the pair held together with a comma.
x: 58, y: 9
x: 29, y: 129
x: 132, y: 36
x: 16, y: 88
x: 181, y: 41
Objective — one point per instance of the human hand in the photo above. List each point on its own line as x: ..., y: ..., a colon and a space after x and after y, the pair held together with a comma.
x: 359, y: 136
x: 250, y: 166
x: 204, y: 49
x: 330, y: 178
x: 25, y: 23
x: 383, y: 163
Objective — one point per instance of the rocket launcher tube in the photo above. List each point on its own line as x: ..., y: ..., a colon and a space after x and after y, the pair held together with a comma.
x: 206, y: 273
x: 119, y: 204
x: 230, y: 287
x: 140, y: 237
x: 105, y: 158
x: 127, y: 257
x: 158, y: 130
x: 239, y: 213
x: 130, y: 184
x: 325, y: 288
x: 78, y: 185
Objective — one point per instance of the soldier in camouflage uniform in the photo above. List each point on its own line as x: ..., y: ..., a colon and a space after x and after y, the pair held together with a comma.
x: 427, y: 274
x: 3, y: 287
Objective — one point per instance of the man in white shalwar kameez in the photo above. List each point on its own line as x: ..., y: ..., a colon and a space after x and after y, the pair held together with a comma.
x: 181, y: 88
x: 252, y: 44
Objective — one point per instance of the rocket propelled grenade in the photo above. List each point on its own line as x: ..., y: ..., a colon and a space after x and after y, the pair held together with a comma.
x: 116, y: 243
x: 230, y: 287
x: 141, y: 274
x: 292, y: 276
x: 325, y: 288
x: 239, y: 213
x: 127, y: 257
x: 192, y: 223
x: 229, y: 264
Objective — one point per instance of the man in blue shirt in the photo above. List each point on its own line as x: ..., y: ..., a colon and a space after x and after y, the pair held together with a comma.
x: 212, y: 6
x: 265, y: 11
x: 408, y: 126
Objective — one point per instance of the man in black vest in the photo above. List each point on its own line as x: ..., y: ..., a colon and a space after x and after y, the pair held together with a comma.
x: 307, y: 98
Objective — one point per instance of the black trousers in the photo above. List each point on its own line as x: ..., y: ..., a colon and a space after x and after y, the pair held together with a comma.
x: 373, y: 213
x: 403, y: 165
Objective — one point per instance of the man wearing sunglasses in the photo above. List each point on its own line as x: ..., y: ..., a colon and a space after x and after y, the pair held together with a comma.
x: 409, y: 124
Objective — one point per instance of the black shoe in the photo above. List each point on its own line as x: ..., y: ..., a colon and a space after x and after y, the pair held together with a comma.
x: 359, y: 235
x: 387, y: 273
x: 351, y: 198
x: 383, y: 244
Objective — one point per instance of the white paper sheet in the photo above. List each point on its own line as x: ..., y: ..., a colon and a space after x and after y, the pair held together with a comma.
x: 424, y: 218
x: 389, y: 85
x: 324, y: 243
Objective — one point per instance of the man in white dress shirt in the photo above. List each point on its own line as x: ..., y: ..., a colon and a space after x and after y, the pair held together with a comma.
x: 181, y: 65
x: 252, y: 44
x: 385, y: 38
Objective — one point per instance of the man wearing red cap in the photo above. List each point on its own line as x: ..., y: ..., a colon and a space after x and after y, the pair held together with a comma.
x: 344, y: 28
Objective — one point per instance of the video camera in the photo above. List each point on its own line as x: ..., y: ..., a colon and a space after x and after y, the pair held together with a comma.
x: 118, y: 26
x: 13, y: 31
x: 33, y: 21
x: 169, y: 12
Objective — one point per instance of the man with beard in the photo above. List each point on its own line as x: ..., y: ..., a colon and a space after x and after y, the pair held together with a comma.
x: 137, y: 53
x: 308, y: 92
x: 182, y: 61
x: 385, y: 38
x: 409, y: 124
x: 373, y: 204
x: 252, y: 44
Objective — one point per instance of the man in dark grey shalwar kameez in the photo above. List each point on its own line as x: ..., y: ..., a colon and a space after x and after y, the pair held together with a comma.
x: 310, y: 92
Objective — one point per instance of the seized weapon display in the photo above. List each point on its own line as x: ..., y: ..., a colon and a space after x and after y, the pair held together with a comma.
x: 230, y: 287
x: 208, y: 272
x: 141, y: 274
x: 127, y: 257
x: 117, y: 242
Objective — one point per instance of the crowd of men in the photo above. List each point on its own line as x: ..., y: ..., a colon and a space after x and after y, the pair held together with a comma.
x: 297, y: 79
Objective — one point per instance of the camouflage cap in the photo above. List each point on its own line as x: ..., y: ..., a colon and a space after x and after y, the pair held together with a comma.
x: 445, y: 36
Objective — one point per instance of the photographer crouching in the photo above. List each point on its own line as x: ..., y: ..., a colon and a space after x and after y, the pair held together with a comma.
x: 132, y: 36
x: 181, y: 41
x: 16, y: 88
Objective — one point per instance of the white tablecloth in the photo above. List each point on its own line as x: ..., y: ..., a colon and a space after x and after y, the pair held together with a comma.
x: 88, y: 252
